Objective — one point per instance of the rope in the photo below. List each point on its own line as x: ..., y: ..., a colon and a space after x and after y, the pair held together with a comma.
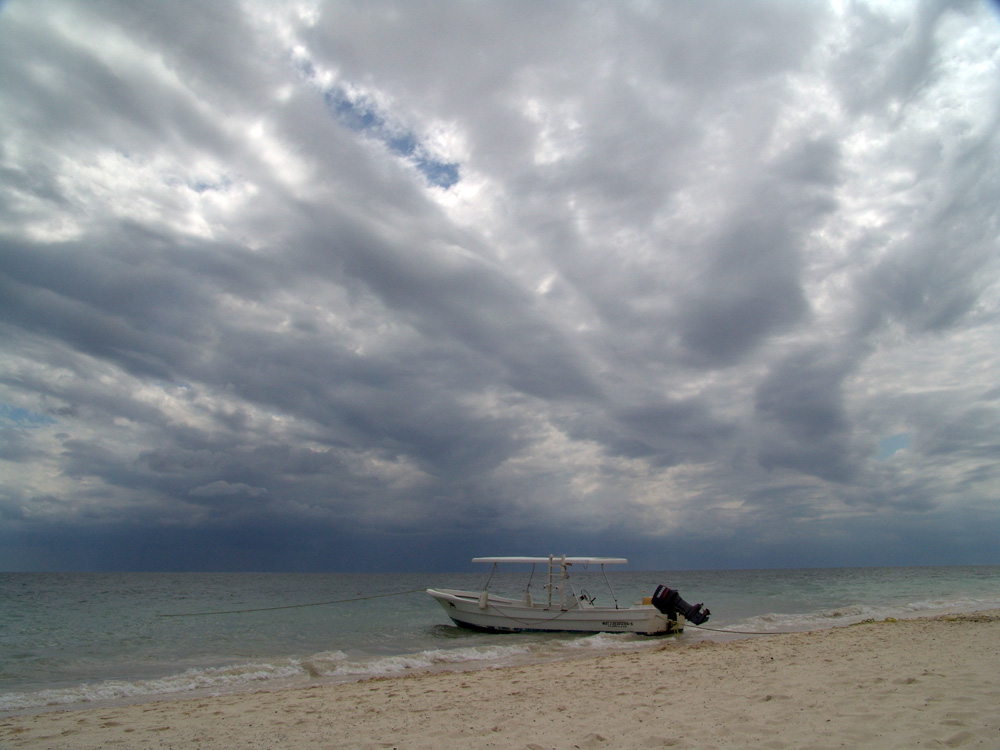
x: 416, y: 591
x: 741, y: 632
x: 687, y: 624
x: 289, y: 606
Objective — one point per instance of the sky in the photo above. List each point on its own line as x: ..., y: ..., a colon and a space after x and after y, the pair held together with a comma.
x: 383, y: 286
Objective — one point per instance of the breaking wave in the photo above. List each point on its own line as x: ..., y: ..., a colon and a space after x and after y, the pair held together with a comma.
x: 855, y: 613
x: 326, y: 667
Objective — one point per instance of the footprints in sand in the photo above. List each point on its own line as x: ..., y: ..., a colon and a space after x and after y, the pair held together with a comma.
x: 596, y: 741
x: 962, y: 738
x: 590, y: 742
x: 770, y: 697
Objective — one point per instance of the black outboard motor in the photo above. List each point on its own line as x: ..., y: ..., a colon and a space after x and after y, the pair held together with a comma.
x: 669, y: 602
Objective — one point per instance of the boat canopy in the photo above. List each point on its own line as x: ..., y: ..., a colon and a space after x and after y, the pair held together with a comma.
x: 555, y: 560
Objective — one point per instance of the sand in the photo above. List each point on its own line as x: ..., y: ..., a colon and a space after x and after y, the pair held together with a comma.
x: 910, y: 683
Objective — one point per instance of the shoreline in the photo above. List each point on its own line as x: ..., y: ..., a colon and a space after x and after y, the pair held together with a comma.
x: 900, y: 683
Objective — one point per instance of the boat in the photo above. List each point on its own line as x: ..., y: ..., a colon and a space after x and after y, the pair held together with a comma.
x: 561, y: 609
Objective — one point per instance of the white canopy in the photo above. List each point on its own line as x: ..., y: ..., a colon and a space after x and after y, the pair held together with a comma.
x: 555, y: 559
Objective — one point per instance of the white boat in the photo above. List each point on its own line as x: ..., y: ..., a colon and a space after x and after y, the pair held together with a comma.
x: 561, y: 608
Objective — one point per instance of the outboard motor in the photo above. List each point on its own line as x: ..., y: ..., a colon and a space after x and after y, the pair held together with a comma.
x: 669, y: 602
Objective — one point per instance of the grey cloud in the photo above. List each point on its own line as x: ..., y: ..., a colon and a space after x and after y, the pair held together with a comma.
x: 937, y: 273
x: 672, y: 433
x: 222, y: 487
x: 16, y: 447
x: 892, y: 55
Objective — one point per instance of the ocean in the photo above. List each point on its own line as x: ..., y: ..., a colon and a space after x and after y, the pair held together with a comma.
x: 76, y: 640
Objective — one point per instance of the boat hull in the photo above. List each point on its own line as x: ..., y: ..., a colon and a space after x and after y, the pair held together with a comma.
x: 502, y: 615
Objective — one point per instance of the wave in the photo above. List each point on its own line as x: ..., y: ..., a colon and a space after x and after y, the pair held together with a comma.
x: 613, y: 642
x: 322, y: 666
x: 331, y: 666
x: 855, y: 613
x: 211, y: 679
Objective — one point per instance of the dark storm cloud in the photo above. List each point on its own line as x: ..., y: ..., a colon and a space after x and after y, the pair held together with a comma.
x: 803, y: 419
x: 670, y: 433
x: 341, y: 282
x: 751, y: 290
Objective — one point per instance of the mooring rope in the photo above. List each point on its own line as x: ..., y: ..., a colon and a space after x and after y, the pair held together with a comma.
x: 289, y: 606
x: 742, y: 632
x: 417, y: 591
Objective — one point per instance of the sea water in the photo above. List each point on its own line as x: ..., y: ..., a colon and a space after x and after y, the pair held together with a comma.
x: 71, y: 640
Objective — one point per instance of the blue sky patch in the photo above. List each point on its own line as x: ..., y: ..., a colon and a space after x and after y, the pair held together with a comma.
x: 22, y: 417
x: 890, y: 446
x: 363, y: 117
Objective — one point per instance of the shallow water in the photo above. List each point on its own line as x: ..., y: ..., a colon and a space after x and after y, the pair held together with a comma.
x: 77, y: 639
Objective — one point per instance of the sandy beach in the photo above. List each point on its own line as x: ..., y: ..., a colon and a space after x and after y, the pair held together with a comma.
x: 931, y: 682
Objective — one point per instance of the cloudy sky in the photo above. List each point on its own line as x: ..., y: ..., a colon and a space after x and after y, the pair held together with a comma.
x: 383, y: 286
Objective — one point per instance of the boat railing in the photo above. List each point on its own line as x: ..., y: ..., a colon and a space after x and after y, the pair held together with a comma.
x: 559, y: 581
